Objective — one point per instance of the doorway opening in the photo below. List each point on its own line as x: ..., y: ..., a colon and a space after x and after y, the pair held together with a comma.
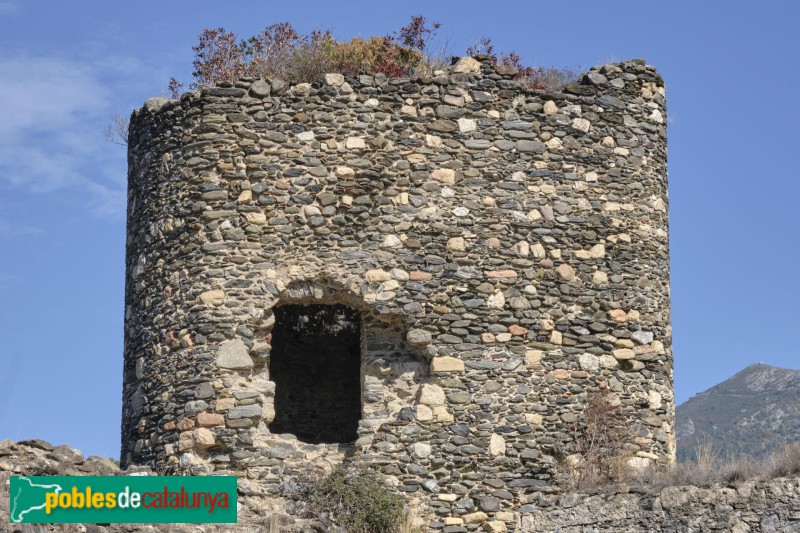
x: 315, y: 362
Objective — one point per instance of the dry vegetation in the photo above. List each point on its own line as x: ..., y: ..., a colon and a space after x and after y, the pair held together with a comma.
x: 708, y: 468
x: 598, y: 455
x: 354, y: 497
x: 279, y: 51
x: 598, y: 459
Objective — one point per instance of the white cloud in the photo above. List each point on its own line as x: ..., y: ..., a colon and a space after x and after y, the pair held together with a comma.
x: 53, y: 113
x: 8, y: 7
x: 42, y: 92
x: 10, y: 230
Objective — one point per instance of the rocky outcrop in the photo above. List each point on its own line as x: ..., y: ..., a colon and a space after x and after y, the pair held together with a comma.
x: 39, y: 458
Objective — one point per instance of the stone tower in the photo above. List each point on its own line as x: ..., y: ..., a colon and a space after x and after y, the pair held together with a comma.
x: 427, y: 275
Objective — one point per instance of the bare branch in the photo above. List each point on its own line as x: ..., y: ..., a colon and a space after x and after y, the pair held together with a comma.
x: 116, y: 132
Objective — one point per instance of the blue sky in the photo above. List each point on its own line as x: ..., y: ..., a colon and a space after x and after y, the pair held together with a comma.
x: 66, y: 68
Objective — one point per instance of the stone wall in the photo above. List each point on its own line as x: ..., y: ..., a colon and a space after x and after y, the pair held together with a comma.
x: 751, y: 506
x: 769, y: 506
x: 506, y: 249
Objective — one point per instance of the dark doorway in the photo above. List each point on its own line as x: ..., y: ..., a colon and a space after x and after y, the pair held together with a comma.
x: 315, y: 363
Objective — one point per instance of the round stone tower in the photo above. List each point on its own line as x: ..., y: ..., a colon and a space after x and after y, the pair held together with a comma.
x: 431, y: 276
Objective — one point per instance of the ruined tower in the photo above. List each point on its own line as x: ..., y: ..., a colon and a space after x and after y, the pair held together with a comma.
x: 426, y: 275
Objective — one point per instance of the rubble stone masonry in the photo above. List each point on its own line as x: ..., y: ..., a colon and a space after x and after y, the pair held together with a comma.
x: 505, y: 251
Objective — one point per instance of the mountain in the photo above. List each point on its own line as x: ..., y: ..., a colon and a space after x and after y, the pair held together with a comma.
x: 753, y: 412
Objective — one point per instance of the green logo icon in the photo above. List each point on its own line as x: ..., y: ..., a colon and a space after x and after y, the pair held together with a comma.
x: 122, y: 499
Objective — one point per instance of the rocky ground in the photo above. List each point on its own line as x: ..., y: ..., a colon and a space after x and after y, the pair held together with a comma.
x: 750, y: 506
x: 38, y: 458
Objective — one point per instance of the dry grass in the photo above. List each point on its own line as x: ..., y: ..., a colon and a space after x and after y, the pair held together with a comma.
x: 708, y: 468
x: 784, y: 463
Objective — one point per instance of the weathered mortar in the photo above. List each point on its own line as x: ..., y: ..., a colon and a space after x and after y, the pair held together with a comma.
x: 507, y: 248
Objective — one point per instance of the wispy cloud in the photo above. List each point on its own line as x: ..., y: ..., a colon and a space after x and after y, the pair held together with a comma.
x: 10, y: 230
x: 8, y: 7
x: 51, y: 135
x: 7, y: 280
